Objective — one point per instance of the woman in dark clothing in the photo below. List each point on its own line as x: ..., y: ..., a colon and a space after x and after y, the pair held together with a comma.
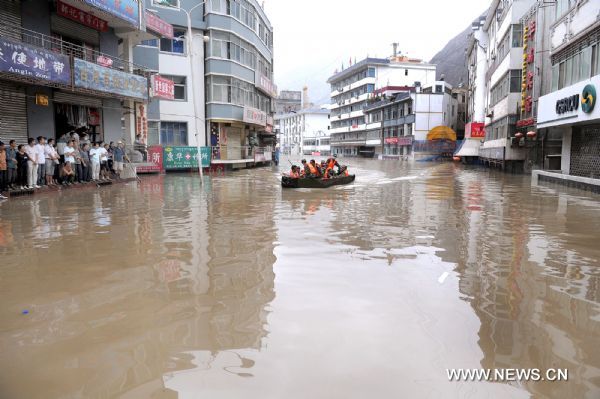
x: 22, y: 159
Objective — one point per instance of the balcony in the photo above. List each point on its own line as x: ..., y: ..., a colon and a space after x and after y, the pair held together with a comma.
x: 49, y: 61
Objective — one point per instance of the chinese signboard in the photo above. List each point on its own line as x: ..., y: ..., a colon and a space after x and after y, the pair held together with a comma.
x: 104, y: 61
x: 96, y: 77
x: 127, y: 10
x: 141, y: 121
x: 163, y: 88
x: 391, y: 140
x: 263, y: 83
x: 34, y: 62
x: 255, y: 116
x: 185, y: 157
x: 155, y: 158
x: 527, y: 69
x: 475, y: 130
x: 159, y: 25
x: 82, y: 17
x: 41, y: 99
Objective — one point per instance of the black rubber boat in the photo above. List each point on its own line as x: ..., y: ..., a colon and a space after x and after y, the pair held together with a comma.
x: 289, y: 182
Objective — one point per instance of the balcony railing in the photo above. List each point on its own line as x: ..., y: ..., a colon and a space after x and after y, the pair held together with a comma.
x: 75, y: 51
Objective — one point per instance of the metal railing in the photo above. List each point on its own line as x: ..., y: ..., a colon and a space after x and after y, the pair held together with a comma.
x: 75, y: 51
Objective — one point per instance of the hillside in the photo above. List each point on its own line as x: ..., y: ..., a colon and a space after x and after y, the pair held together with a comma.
x: 450, y: 60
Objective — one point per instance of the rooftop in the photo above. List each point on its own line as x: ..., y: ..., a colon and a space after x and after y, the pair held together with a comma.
x: 398, y: 61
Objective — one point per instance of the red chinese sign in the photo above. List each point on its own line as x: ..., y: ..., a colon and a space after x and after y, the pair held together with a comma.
x: 526, y: 122
x: 159, y: 25
x: 75, y: 14
x: 391, y: 140
x: 475, y: 130
x: 155, y: 161
x: 163, y: 88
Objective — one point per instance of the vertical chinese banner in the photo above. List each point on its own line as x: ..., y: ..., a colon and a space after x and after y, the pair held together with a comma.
x: 141, y: 118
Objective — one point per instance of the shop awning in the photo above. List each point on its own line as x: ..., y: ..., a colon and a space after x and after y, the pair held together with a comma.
x: 441, y: 133
x: 469, y: 148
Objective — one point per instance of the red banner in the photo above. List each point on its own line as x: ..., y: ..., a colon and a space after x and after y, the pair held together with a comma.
x: 159, y: 25
x: 391, y: 140
x: 75, y: 14
x: 155, y: 157
x: 475, y: 130
x: 163, y: 88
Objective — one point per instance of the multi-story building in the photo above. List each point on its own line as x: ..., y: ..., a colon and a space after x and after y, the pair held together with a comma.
x: 228, y: 96
x: 504, y: 53
x: 353, y: 86
x: 401, y: 117
x: 305, y: 132
x: 67, y: 66
x: 288, y: 101
x: 569, y: 110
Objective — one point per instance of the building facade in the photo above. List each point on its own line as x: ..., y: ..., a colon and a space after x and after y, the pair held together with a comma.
x: 226, y: 100
x: 398, y: 119
x: 67, y: 66
x: 305, y: 132
x: 354, y: 86
x: 569, y: 111
x: 504, y: 31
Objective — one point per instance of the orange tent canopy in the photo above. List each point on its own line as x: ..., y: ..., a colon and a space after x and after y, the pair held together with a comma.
x: 441, y: 133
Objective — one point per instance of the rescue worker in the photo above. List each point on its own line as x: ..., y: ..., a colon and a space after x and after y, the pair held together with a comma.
x: 331, y: 163
x: 317, y: 170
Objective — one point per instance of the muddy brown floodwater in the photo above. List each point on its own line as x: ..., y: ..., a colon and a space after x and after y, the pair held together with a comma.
x: 166, y: 289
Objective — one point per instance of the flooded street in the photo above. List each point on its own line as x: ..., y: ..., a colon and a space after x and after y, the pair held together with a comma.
x: 167, y: 289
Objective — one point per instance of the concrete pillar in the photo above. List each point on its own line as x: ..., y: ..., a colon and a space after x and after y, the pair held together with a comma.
x: 565, y: 160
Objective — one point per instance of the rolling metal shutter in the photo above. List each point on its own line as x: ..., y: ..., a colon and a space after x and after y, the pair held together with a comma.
x: 75, y: 99
x: 13, y: 120
x: 74, y: 30
x: 10, y: 18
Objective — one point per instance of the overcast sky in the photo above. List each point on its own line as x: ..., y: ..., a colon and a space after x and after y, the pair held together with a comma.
x: 313, y: 37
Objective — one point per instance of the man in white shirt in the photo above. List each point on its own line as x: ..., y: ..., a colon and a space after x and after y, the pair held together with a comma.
x: 95, y: 159
x: 103, y: 161
x: 32, y: 167
x: 41, y: 160
x: 51, y: 156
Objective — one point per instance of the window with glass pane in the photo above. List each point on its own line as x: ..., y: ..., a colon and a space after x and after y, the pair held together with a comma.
x: 517, y: 35
x: 568, y: 71
x: 575, y: 71
x: 167, y: 3
x: 176, y: 45
x: 515, y: 81
x: 173, y: 133
x: 179, y: 86
x: 555, y: 77
x: 153, y: 132
x: 149, y: 43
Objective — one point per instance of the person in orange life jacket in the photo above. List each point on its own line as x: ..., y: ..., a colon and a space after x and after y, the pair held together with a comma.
x: 317, y: 171
x: 305, y: 169
x: 295, y: 172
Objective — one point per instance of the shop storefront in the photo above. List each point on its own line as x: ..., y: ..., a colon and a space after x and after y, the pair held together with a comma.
x: 573, y: 114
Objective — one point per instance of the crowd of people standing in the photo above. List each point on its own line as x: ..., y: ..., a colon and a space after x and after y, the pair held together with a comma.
x: 71, y: 160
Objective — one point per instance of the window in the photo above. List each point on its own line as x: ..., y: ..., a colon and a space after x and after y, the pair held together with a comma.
x: 517, y: 35
x: 562, y: 6
x: 439, y: 89
x: 166, y: 3
x: 515, y: 81
x: 173, y: 133
x: 503, y: 47
x: 371, y: 72
x: 149, y: 43
x: 180, y: 90
x: 153, y: 132
x: 176, y: 45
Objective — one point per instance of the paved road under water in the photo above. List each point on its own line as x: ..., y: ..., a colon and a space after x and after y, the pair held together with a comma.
x: 238, y: 289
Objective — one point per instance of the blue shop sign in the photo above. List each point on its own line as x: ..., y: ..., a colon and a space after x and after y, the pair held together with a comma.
x: 95, y: 77
x: 35, y: 62
x: 124, y: 9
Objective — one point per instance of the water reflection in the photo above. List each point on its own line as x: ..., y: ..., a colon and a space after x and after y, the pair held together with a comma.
x: 168, y: 289
x: 122, y: 288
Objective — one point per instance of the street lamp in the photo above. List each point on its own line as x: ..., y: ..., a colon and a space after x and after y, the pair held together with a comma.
x: 190, y: 41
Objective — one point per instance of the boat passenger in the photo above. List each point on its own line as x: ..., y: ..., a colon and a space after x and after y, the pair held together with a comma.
x: 313, y: 166
x: 295, y: 173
